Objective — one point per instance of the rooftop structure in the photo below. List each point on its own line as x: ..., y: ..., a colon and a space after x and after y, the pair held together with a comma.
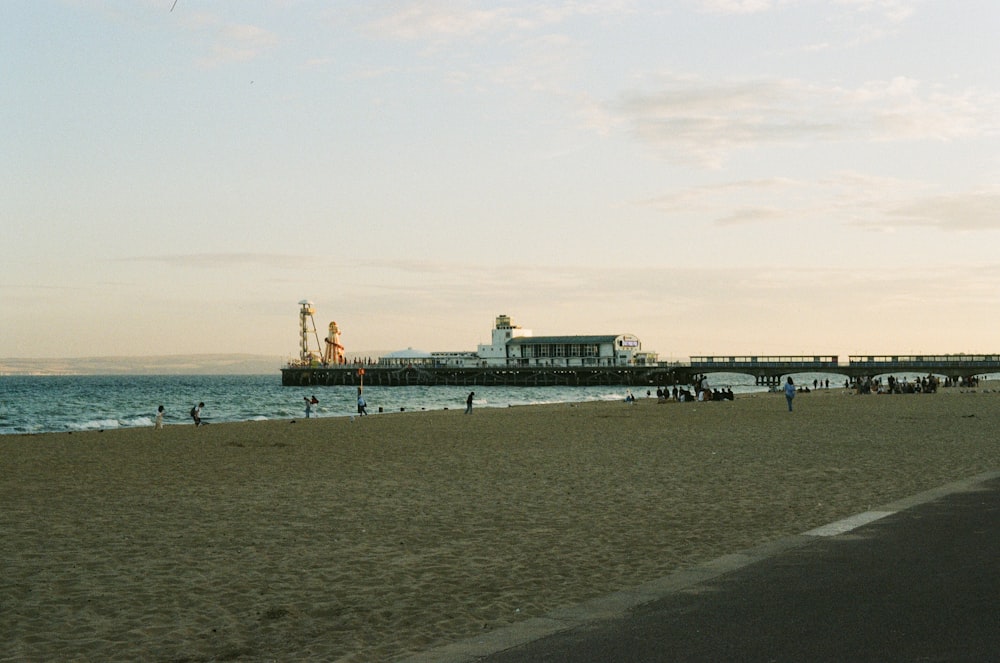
x: 600, y: 350
x: 513, y: 346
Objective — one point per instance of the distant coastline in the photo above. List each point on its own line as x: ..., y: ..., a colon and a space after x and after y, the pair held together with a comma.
x: 197, y: 364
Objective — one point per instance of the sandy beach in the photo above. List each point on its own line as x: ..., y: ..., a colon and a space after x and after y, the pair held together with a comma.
x: 367, y: 540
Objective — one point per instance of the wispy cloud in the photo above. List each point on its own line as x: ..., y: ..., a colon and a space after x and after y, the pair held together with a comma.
x: 745, y: 215
x: 230, y: 260
x: 238, y: 43
x: 847, y: 198
x: 703, y: 121
x: 438, y: 20
x: 513, y: 45
x: 893, y: 10
x: 960, y: 212
x: 736, y: 6
x: 731, y: 202
x: 227, y: 42
x: 449, y: 20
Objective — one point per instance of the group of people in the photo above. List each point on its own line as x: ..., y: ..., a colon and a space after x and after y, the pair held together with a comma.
x: 893, y: 385
x: 700, y: 393
x: 161, y: 412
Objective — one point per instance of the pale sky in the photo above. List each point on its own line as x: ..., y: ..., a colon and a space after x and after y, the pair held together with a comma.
x: 714, y: 176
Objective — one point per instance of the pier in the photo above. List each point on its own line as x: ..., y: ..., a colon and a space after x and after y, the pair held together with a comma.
x: 540, y: 376
x: 767, y: 370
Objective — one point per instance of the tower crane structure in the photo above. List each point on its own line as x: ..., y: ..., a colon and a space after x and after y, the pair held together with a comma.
x: 330, y: 351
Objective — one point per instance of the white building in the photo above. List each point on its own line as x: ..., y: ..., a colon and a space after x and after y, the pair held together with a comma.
x: 513, y: 346
x: 407, y: 357
x: 496, y: 353
x: 607, y: 350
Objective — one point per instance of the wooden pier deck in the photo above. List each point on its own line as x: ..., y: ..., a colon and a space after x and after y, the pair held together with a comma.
x: 766, y: 371
x: 547, y: 376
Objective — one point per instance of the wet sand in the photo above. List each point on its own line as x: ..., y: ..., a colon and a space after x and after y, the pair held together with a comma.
x: 334, y: 540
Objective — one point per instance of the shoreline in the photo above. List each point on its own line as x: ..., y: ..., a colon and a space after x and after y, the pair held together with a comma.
x: 382, y: 537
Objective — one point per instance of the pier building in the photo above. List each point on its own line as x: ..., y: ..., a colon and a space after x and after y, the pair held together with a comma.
x: 608, y: 350
x: 513, y: 346
x: 408, y: 357
x: 504, y: 332
x: 517, y: 347
x: 515, y: 357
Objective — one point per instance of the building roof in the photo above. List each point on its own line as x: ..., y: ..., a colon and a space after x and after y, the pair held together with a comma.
x: 562, y: 340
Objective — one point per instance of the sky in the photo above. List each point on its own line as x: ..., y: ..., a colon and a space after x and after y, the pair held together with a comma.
x: 718, y: 177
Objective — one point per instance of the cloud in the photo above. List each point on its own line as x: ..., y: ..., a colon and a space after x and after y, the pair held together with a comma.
x: 238, y: 43
x: 957, y: 212
x: 895, y: 11
x: 435, y: 21
x: 735, y: 203
x: 229, y: 260
x: 575, y: 299
x: 736, y: 6
x: 695, y: 120
x: 516, y: 46
x: 701, y: 121
x: 846, y: 198
x: 746, y: 215
x: 227, y: 43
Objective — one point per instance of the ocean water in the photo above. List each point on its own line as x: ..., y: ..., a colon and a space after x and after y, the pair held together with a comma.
x: 43, y: 404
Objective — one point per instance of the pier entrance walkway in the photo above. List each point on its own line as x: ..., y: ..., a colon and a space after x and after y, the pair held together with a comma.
x: 916, y: 580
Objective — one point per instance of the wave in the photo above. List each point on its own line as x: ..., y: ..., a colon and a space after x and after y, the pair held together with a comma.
x: 95, y: 424
x: 32, y: 405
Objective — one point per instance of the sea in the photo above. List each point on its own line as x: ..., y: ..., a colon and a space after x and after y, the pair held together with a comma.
x: 46, y: 404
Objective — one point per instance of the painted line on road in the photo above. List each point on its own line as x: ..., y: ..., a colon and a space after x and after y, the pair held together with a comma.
x: 847, y: 524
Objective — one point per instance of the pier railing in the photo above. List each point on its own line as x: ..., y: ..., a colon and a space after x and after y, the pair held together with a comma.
x: 767, y: 370
x: 541, y: 376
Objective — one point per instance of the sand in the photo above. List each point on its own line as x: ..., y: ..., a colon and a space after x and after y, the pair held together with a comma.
x: 334, y: 540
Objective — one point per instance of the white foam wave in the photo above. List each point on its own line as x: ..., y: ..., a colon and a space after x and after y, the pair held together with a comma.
x: 95, y: 424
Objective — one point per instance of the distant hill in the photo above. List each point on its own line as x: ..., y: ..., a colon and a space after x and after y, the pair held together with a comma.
x: 206, y: 364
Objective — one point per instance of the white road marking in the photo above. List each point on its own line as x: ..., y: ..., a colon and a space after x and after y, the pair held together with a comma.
x: 847, y: 524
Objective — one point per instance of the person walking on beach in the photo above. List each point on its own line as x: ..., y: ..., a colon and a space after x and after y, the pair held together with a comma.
x: 159, y: 418
x: 196, y: 414
x: 362, y: 405
x: 789, y: 392
x: 468, y: 402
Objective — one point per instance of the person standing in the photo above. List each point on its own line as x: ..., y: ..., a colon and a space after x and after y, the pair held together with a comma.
x: 468, y: 402
x: 159, y: 418
x: 196, y: 414
x: 362, y: 405
x: 789, y: 392
x: 309, y: 403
